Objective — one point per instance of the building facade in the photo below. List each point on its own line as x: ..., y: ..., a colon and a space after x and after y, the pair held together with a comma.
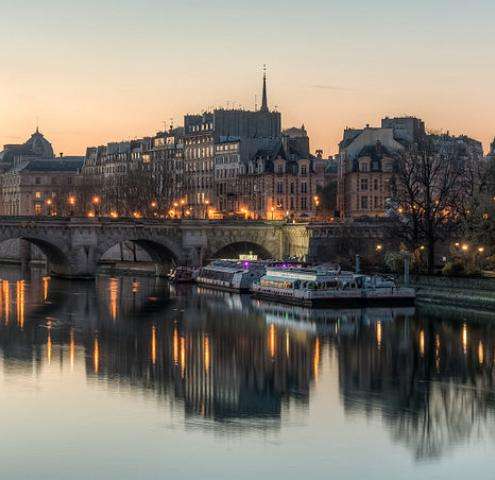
x: 207, y: 136
x: 41, y: 187
x: 279, y: 184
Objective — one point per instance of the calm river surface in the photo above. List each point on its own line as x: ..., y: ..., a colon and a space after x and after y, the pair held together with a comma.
x: 128, y: 378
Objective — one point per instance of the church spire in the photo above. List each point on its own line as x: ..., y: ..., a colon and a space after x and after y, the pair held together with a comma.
x: 264, y: 97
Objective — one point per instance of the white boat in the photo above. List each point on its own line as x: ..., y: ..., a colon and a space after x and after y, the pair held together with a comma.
x: 324, y: 286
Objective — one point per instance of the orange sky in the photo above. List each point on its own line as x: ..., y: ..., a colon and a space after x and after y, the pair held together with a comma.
x: 99, y: 71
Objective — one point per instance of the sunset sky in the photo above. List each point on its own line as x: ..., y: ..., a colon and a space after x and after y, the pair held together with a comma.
x: 95, y: 71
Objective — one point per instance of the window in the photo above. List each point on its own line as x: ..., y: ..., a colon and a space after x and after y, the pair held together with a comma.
x: 292, y: 188
x: 280, y: 187
x: 375, y: 182
x: 364, y: 167
x: 280, y: 168
x: 364, y: 184
x: 37, y: 180
x: 377, y: 203
x: 37, y: 209
x: 304, y: 203
x: 37, y: 195
x: 364, y: 203
x: 304, y: 187
x: 303, y: 170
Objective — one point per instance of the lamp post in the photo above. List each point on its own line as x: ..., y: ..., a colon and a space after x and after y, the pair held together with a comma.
x: 316, y: 200
x: 72, y: 203
x: 49, y: 203
x: 206, y: 203
x: 96, y: 200
x: 273, y: 212
x: 153, y: 206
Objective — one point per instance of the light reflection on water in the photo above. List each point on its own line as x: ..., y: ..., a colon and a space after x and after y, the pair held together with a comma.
x: 141, y: 370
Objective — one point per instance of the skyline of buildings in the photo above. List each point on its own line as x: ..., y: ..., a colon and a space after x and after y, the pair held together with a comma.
x: 221, y: 164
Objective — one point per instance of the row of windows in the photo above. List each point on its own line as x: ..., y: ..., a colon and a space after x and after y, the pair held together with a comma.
x: 280, y: 187
x: 369, y: 202
x: 291, y: 204
x: 227, y: 173
x: 194, y: 153
x: 199, y: 166
x: 364, y: 184
x: 198, y: 140
x: 202, y: 127
x: 227, y: 147
x: 223, y: 159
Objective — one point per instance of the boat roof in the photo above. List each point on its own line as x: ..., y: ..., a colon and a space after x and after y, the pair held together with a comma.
x: 313, y: 274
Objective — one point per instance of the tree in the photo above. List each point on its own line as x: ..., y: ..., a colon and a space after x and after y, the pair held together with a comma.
x: 428, y: 191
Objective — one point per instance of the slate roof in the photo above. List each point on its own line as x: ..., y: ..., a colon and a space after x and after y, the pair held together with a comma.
x: 71, y: 165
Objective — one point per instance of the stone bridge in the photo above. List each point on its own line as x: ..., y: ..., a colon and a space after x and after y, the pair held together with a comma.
x: 75, y: 246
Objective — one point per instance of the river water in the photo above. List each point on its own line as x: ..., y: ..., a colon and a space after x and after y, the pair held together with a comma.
x: 130, y: 378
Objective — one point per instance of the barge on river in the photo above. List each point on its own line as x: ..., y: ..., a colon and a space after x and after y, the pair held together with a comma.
x: 232, y: 275
x: 327, y: 287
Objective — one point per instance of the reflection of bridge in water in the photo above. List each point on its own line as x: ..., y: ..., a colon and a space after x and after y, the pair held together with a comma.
x: 227, y: 358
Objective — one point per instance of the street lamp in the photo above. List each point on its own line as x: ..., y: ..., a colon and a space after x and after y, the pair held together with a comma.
x: 96, y: 202
x: 49, y: 203
x: 379, y: 247
x: 72, y: 203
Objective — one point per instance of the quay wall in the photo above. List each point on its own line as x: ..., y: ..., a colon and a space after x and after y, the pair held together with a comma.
x: 469, y: 293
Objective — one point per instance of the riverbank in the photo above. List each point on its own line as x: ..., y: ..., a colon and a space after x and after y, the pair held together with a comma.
x: 469, y: 293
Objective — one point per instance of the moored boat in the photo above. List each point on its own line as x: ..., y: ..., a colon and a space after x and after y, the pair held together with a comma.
x: 325, y: 286
x: 235, y: 275
x: 183, y: 274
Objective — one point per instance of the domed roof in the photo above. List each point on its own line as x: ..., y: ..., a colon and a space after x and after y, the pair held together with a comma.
x: 39, y: 145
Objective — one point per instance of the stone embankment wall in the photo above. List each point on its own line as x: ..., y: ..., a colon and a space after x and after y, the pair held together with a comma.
x: 476, y: 293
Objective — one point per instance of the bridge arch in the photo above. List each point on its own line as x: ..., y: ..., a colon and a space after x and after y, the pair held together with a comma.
x: 162, y: 252
x: 58, y: 260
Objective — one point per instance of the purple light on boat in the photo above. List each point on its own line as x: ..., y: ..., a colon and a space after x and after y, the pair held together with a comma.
x: 246, y: 264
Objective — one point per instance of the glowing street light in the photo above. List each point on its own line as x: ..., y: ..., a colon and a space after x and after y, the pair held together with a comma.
x: 481, y: 249
x: 72, y: 202
x: 96, y: 200
x: 49, y: 203
x: 465, y: 247
x: 379, y: 247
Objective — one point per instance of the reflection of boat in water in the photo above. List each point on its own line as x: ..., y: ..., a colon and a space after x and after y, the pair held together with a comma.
x: 327, y: 320
x: 234, y: 275
x: 322, y: 286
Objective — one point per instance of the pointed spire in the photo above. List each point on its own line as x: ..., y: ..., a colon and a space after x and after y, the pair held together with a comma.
x: 264, y: 97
